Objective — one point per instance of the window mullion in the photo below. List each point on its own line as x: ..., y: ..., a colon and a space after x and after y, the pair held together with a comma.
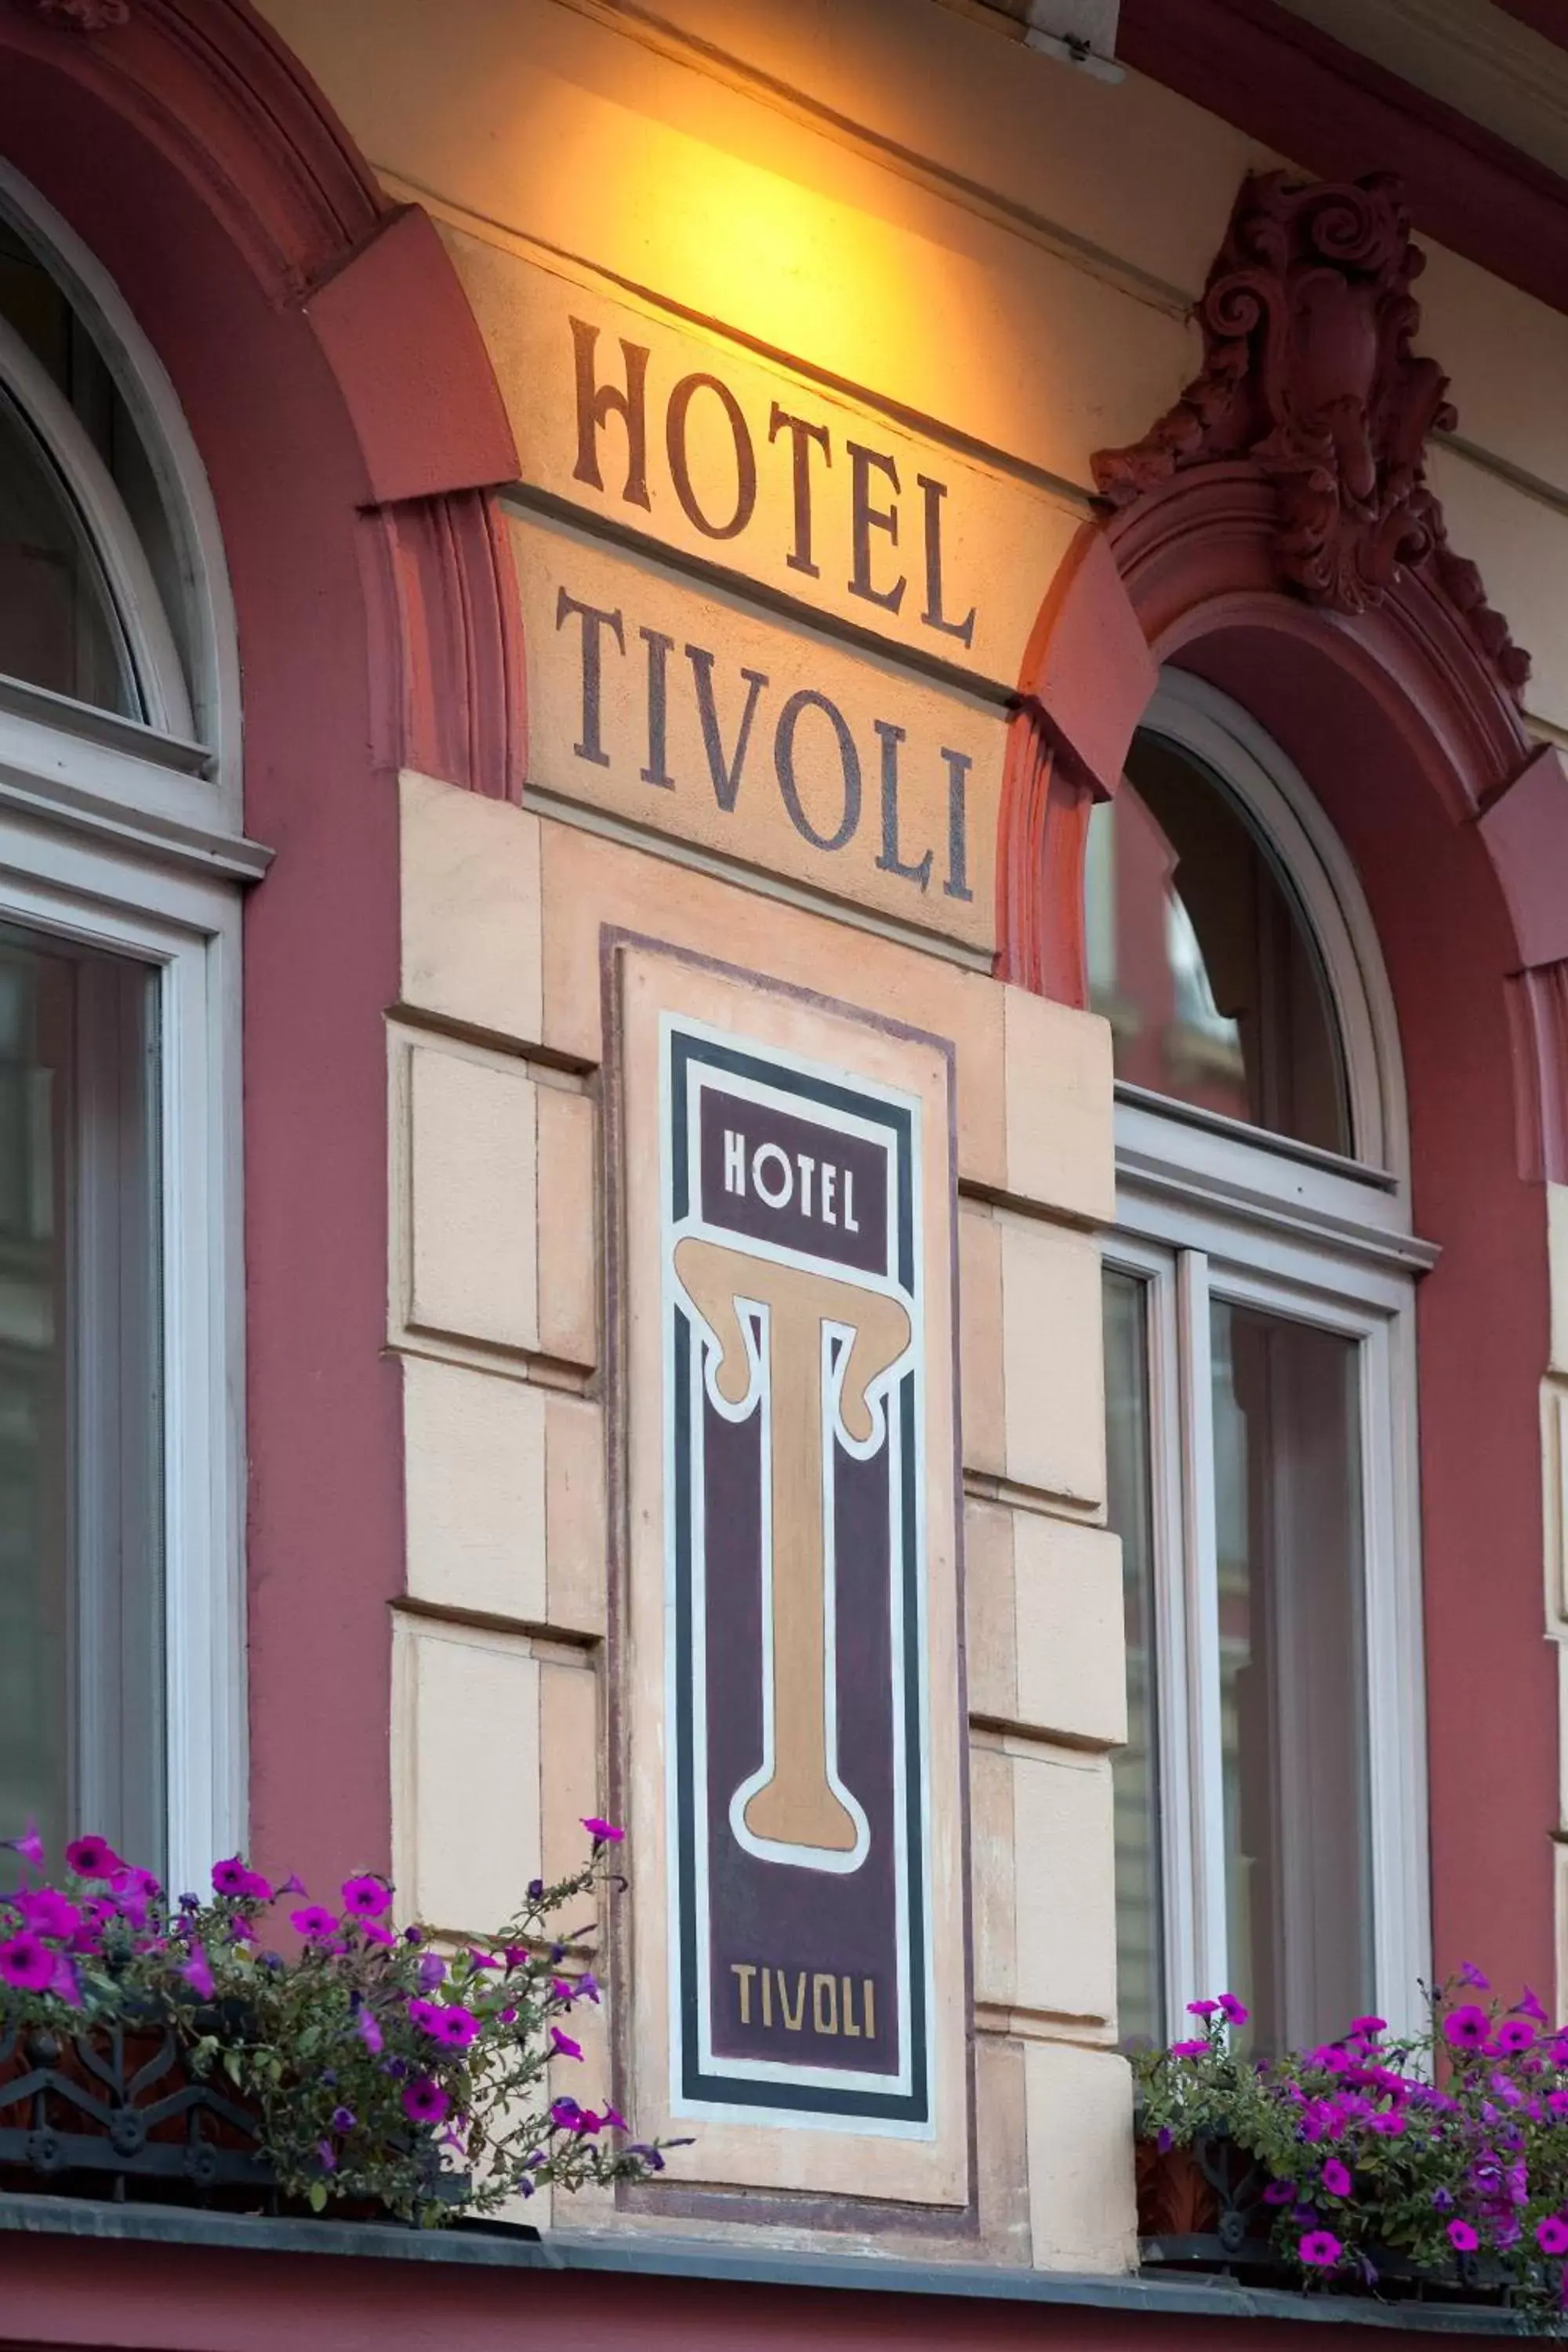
x: 1205, y: 1754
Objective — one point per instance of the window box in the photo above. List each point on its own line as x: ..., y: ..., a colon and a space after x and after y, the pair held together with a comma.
x: 1201, y: 2211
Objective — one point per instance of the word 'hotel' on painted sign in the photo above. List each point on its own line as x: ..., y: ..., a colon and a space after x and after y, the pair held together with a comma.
x: 869, y: 476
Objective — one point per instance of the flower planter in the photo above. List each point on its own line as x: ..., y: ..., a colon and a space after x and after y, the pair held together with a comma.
x: 117, y: 2111
x: 1200, y: 2209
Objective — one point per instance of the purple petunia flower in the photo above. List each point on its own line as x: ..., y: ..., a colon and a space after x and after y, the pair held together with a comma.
x: 1234, y: 2011
x: 369, y: 2033
x: 602, y: 1832
x: 1469, y: 1974
x: 1529, y: 2005
x: 425, y: 2102
x: 47, y: 1912
x: 1462, y: 2238
x: 92, y: 1857
x: 455, y: 2028
x: 230, y: 1877
x: 1466, y: 2027
x: 563, y: 2113
x: 1319, y: 2249
x: 1513, y: 2035
x: 374, y: 1933
x: 432, y: 1970
x: 343, y: 2119
x: 615, y: 2121
x: 1202, y: 2008
x: 422, y: 2013
x: 1369, y: 2027
x: 1280, y: 2192
x: 1552, y: 2234
x: 314, y: 1922
x: 588, y: 1986
x: 27, y: 1963
x: 563, y: 2045
x: 29, y: 1846
x: 1189, y: 2048
x: 327, y: 2155
x: 1336, y: 2178
x: 198, y: 1973
x: 366, y: 1898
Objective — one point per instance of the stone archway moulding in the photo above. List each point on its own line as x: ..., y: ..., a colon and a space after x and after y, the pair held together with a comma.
x: 1285, y: 496
x: 336, y: 387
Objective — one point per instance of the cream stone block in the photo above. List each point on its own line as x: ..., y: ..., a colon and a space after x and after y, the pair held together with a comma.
x: 568, y: 1226
x: 990, y: 1645
x: 472, y: 1180
x: 575, y: 1510
x: 993, y: 1897
x: 1555, y: 1502
x: 466, y: 1747
x: 980, y: 1340
x: 1065, y: 1880
x: 1557, y: 1260
x: 570, y: 1786
x: 590, y: 883
x: 1082, y: 2205
x: 472, y: 931
x: 1060, y: 1144
x: 1069, y: 1636
x: 1052, y: 1349
x: 1001, y: 2149
x: 475, y: 1454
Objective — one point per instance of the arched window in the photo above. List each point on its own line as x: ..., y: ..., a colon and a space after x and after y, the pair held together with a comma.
x: 1260, y: 1391
x: 120, y: 1391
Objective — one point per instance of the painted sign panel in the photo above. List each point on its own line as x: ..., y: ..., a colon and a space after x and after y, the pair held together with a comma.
x: 797, y: 1586
x: 788, y: 1660
x: 660, y: 427
x: 689, y: 712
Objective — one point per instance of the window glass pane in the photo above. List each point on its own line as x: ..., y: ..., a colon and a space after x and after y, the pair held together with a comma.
x: 81, y: 1620
x: 1288, y: 1520
x: 1134, y: 1769
x: 1202, y: 959
x: 32, y: 302
x: 56, y: 627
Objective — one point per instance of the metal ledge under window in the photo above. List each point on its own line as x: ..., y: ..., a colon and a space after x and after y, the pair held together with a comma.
x: 496, y: 2246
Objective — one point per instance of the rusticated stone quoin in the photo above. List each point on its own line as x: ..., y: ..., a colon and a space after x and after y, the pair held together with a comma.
x: 1307, y: 320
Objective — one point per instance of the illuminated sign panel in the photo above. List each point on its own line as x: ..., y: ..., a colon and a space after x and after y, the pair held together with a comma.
x: 691, y: 712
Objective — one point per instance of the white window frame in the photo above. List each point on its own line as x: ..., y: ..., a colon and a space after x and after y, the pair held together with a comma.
x: 124, y: 838
x: 185, y: 930
x: 1208, y: 1207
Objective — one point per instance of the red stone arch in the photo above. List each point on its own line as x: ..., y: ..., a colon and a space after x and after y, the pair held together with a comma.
x: 1400, y: 707
x: 345, y: 409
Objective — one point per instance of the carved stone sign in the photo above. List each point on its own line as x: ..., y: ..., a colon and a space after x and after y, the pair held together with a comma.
x: 689, y: 712
x: 803, y: 1591
x: 665, y: 430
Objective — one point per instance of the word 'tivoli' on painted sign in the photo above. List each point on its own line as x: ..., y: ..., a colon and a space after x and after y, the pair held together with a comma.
x: 691, y: 713
x: 795, y: 1564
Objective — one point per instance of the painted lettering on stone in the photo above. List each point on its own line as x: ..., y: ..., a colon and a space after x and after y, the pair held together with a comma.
x: 890, y: 526
x: 798, y: 744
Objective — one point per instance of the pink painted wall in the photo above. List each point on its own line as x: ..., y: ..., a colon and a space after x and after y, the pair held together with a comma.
x: 203, y: 171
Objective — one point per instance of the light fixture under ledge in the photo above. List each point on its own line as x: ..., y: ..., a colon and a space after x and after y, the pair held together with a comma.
x: 1079, y: 32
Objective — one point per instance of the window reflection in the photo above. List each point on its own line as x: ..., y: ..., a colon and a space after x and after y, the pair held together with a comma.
x: 1139, y: 1998
x: 1202, y: 961
x: 1288, y: 1518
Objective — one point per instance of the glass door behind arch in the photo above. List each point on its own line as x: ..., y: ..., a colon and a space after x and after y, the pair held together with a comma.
x: 1243, y: 1803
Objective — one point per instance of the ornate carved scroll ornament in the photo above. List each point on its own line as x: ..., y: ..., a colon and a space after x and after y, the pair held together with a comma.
x: 1307, y: 320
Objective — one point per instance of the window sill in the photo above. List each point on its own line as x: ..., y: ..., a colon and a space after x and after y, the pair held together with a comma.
x: 492, y: 2247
